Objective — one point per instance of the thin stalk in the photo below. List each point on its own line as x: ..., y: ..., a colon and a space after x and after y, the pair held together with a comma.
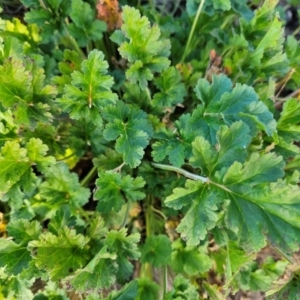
x: 296, y: 31
x: 192, y: 30
x: 159, y: 212
x: 165, y: 281
x: 148, y: 216
x: 126, y: 214
x: 148, y: 95
x: 146, y: 270
x: 285, y: 80
x: 119, y: 168
x: 83, y: 213
x: 86, y: 180
x: 228, y: 270
x: 180, y: 171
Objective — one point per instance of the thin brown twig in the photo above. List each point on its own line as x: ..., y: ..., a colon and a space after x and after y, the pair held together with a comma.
x: 286, y: 79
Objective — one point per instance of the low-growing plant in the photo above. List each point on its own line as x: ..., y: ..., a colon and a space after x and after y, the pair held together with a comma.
x: 148, y: 150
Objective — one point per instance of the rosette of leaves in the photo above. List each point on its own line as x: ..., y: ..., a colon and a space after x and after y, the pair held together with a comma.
x: 147, y: 53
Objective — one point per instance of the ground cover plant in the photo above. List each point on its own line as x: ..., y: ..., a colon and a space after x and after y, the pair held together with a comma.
x: 149, y: 150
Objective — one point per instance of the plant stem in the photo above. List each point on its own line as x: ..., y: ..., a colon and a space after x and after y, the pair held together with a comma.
x: 165, y: 280
x: 86, y: 180
x: 126, y: 213
x: 192, y: 30
x: 180, y: 171
x: 159, y: 212
x: 146, y: 270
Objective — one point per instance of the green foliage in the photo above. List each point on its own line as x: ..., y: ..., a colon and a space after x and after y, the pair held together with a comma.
x: 131, y: 130
x: 188, y: 113
x: 183, y: 290
x: 142, y: 46
x: 126, y: 248
x: 16, y: 166
x: 113, y: 191
x: 22, y: 89
x: 156, y: 250
x: 97, y: 274
x: 220, y: 105
x: 89, y: 91
x: 59, y: 254
x: 62, y: 187
x: 84, y: 27
x: 172, y: 91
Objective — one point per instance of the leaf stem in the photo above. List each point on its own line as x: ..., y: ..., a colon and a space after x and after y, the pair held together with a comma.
x: 86, y: 180
x: 192, y: 30
x: 165, y: 280
x: 146, y: 269
x: 119, y: 168
x: 180, y: 171
x: 158, y: 212
x: 126, y: 214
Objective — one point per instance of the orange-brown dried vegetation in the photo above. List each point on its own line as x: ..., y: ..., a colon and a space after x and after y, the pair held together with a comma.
x: 109, y: 12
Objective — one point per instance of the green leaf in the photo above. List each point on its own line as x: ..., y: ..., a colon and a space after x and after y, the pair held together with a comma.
x: 265, y: 35
x: 38, y: 16
x: 142, y: 46
x: 61, y: 219
x: 156, y: 250
x: 113, y: 191
x: 15, y: 258
x: 108, y: 161
x: 259, y: 207
x: 287, y: 124
x: 188, y: 259
x: 96, y: 230
x: 60, y: 254
x: 62, y: 187
x: 90, y: 90
x: 16, y: 162
x: 36, y: 152
x: 287, y: 290
x: 260, y: 279
x: 221, y: 4
x: 272, y: 40
x: 127, y: 292
x: 182, y: 290
x: 221, y: 104
x: 85, y: 27
x: 125, y: 247
x: 172, y: 91
x: 99, y: 273
x: 72, y: 62
x: 14, y: 255
x: 22, y: 89
x: 15, y: 287
x: 50, y: 17
x: 24, y: 231
x: 232, y: 144
x: 11, y: 48
x: 147, y: 289
x: 202, y: 214
x: 131, y: 130
x: 176, y: 144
